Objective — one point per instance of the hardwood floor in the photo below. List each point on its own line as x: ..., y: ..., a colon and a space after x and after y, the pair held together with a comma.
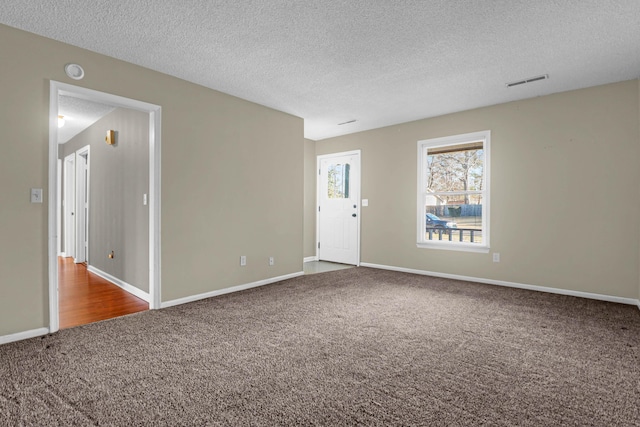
x: 85, y: 297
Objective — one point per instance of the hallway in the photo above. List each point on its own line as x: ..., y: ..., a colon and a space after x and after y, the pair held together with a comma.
x: 86, y: 298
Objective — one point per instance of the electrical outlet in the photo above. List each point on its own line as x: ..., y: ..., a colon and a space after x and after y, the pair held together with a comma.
x: 243, y: 260
x: 496, y: 257
x: 271, y: 260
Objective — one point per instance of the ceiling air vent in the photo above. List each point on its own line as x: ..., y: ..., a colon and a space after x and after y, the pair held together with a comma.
x: 532, y: 79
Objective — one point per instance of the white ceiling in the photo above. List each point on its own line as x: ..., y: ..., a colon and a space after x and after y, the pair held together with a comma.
x: 380, y: 62
x: 78, y: 115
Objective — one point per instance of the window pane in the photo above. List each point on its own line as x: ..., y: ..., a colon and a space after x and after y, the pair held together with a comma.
x: 454, y: 218
x: 455, y: 168
x: 452, y: 196
x: 338, y: 181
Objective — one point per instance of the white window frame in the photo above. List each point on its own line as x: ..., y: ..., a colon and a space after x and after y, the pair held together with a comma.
x: 422, y: 241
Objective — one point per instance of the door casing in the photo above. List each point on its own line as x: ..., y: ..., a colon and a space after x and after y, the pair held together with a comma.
x: 82, y: 204
x: 155, y: 113
x: 69, y: 204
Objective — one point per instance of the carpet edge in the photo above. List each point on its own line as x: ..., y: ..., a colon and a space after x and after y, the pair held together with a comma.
x: 560, y: 291
x: 237, y: 288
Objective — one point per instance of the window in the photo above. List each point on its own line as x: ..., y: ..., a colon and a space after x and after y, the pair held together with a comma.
x: 453, y: 192
x: 338, y: 181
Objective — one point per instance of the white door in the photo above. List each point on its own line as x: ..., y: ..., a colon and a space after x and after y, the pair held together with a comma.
x: 69, y: 205
x: 82, y: 205
x: 339, y: 208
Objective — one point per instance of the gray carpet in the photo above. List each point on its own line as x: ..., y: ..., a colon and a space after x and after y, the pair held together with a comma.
x: 350, y: 347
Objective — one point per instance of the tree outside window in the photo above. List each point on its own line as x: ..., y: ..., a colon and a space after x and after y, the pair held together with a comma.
x: 453, y: 193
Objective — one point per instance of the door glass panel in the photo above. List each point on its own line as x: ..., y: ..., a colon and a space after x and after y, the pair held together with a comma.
x: 338, y: 181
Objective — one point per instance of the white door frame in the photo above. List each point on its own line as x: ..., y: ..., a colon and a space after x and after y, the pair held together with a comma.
x: 59, y: 205
x: 154, y: 111
x: 69, y: 198
x: 82, y: 206
x: 319, y: 160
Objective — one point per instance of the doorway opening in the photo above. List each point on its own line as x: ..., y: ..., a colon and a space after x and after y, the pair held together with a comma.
x: 69, y: 221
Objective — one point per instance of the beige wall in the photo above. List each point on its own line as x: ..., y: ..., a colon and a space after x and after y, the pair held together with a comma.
x: 310, y: 202
x: 565, y: 207
x: 232, y: 177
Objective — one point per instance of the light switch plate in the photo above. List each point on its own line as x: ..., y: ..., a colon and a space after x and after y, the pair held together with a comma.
x: 36, y: 195
x: 365, y: 202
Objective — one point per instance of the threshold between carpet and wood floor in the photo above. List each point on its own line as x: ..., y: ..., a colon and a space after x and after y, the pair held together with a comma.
x: 85, y: 297
x: 358, y: 346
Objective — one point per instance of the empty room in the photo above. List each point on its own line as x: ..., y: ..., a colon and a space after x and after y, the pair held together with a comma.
x: 320, y: 213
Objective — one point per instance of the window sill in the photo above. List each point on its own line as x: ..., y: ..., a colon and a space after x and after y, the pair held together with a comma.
x: 461, y: 247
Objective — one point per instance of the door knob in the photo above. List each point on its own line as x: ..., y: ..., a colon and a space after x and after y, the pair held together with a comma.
x: 353, y: 215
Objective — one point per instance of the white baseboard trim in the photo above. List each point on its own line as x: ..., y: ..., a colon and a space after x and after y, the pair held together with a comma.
x: 5, y: 339
x: 124, y: 285
x: 237, y: 288
x: 568, y: 292
x: 310, y: 259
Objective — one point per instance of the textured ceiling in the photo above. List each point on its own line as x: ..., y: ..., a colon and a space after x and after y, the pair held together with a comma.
x: 78, y: 114
x: 379, y: 62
